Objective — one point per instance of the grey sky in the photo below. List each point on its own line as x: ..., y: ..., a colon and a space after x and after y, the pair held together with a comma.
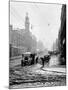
x: 45, y: 19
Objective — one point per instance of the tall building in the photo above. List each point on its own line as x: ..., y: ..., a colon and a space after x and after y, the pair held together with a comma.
x: 21, y: 40
x: 27, y: 24
x: 62, y: 36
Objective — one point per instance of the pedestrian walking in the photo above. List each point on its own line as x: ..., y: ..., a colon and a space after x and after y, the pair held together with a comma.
x: 42, y: 61
x: 36, y: 60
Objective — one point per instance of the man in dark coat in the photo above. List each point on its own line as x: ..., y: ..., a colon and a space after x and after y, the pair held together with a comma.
x: 42, y: 61
x: 33, y: 58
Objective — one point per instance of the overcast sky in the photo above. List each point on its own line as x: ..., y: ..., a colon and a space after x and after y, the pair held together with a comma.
x: 45, y: 20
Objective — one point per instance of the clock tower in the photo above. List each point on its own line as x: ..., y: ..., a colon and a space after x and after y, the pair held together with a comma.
x: 27, y: 22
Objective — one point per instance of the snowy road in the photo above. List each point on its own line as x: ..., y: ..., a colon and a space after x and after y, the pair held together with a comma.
x: 34, y: 76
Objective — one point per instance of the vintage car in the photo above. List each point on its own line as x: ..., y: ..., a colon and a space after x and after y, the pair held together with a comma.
x: 27, y: 59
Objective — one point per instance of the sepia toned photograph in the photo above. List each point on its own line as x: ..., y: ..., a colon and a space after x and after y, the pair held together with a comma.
x: 37, y: 44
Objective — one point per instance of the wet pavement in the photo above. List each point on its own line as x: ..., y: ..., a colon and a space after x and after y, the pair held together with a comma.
x: 35, y: 76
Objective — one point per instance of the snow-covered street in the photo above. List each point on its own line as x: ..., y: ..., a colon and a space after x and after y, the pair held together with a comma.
x: 34, y: 76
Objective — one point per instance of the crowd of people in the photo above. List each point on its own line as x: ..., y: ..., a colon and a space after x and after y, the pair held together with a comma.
x: 34, y: 59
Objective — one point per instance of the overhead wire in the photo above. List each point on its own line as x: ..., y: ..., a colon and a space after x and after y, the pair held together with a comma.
x: 16, y: 14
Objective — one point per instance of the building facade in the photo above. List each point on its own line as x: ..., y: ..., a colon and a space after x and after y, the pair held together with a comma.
x: 21, y: 40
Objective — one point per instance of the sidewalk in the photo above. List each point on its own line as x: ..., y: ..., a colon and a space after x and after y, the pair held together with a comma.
x: 59, y: 70
x: 55, y: 69
x: 16, y: 57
